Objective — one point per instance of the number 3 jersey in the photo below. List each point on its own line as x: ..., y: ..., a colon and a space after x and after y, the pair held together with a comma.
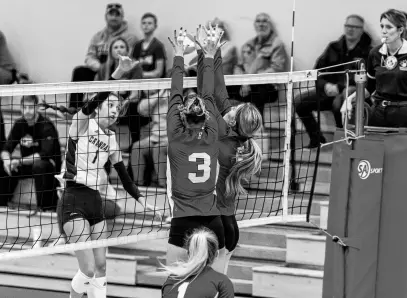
x: 193, y: 164
x: 192, y: 152
x: 87, y: 155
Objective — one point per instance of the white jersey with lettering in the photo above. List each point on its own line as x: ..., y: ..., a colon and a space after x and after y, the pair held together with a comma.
x: 86, y: 156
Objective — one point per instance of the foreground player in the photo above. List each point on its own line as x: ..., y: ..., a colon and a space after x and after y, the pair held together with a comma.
x: 239, y: 154
x: 192, y: 152
x: 80, y: 211
x: 195, y: 278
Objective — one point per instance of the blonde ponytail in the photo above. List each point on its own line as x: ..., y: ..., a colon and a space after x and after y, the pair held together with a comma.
x: 248, y: 163
x: 202, y: 248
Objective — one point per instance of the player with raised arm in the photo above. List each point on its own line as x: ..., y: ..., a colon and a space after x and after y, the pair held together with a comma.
x: 80, y: 212
x: 192, y: 152
x: 194, y: 278
x: 239, y: 155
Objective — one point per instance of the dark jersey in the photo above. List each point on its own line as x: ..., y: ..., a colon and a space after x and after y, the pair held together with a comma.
x: 148, y: 57
x: 44, y: 138
x: 391, y: 84
x: 209, y: 284
x: 192, y: 153
x: 227, y: 158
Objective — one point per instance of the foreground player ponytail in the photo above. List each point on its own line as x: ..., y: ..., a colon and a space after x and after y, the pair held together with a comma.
x: 247, y: 122
x: 202, y: 247
x: 72, y: 110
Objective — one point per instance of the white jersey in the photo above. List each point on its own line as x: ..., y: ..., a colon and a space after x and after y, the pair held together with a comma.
x: 86, y: 156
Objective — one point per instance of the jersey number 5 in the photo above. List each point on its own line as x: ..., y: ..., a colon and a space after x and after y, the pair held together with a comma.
x: 205, y: 167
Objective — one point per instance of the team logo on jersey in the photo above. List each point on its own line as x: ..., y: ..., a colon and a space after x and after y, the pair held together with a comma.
x: 98, y: 143
x: 403, y: 65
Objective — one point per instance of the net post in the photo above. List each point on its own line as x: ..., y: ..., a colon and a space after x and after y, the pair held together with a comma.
x: 360, y: 80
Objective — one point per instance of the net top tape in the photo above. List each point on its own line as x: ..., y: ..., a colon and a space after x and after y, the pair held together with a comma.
x: 151, y: 84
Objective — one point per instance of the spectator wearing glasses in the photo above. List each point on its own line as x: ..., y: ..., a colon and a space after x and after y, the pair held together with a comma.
x: 98, y: 49
x: 354, y: 44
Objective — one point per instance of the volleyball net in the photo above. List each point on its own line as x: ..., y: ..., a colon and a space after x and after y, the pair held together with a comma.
x: 281, y: 192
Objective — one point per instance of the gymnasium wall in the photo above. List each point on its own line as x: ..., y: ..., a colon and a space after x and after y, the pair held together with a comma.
x: 49, y: 37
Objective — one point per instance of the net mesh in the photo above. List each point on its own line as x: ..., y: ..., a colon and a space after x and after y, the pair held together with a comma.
x: 281, y: 192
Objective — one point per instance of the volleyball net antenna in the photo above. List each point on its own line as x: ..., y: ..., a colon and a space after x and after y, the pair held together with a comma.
x: 26, y: 231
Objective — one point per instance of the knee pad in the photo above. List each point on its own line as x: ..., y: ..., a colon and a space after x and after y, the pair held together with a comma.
x: 80, y: 282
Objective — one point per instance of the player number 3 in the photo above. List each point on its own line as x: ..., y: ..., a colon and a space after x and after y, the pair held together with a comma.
x: 205, y: 167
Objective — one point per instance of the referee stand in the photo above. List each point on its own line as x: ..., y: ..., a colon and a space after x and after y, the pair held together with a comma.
x: 366, y: 257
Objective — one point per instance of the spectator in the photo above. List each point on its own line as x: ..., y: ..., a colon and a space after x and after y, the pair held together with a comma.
x: 149, y: 51
x: 40, y: 154
x: 7, y: 67
x: 269, y: 57
x: 119, y: 47
x: 99, y: 46
x: 154, y: 145
x: 354, y: 44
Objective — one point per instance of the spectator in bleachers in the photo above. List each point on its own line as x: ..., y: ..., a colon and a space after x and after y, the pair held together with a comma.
x: 354, y: 44
x: 153, y: 146
x: 149, y: 51
x: 98, y: 49
x: 270, y: 56
x: 7, y: 67
x: 40, y: 154
x: 119, y: 47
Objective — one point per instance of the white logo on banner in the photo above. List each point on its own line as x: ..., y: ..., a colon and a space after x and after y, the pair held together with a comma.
x: 365, y: 169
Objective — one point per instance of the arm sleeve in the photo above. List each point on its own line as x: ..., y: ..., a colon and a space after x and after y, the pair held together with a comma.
x: 14, y: 137
x: 128, y: 184
x: 49, y: 136
x: 221, y: 93
x: 207, y: 94
x: 174, y: 123
x: 90, y: 106
x: 226, y: 289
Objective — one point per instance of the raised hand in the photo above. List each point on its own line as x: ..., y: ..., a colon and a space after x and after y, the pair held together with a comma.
x: 178, y: 42
x: 126, y: 63
x: 213, y: 38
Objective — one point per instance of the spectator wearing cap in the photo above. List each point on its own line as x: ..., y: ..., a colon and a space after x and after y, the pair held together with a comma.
x: 98, y: 49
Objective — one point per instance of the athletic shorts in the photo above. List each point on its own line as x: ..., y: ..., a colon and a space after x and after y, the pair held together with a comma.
x: 231, y: 231
x: 182, y: 227
x: 80, y: 201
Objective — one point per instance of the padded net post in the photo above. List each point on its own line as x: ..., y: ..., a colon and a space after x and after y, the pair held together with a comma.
x: 360, y: 80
